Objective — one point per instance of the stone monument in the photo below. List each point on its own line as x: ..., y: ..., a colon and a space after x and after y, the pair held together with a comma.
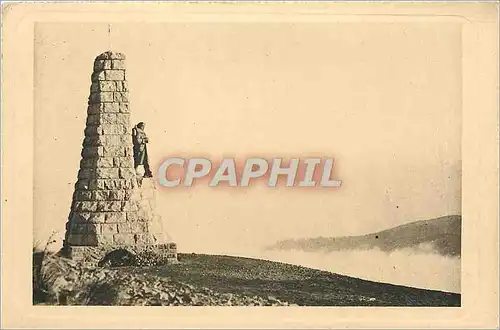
x: 113, y: 208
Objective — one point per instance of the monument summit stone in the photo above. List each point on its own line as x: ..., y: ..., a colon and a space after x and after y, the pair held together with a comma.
x: 113, y: 208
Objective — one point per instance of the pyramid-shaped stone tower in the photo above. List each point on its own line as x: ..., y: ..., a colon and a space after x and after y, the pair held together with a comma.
x: 112, y: 207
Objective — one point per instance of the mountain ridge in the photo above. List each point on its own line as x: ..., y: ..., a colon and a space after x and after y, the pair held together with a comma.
x: 440, y: 235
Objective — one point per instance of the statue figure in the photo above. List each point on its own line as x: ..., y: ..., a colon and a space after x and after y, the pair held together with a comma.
x: 139, y: 139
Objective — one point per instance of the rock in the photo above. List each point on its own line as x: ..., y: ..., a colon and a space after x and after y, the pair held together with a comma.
x: 70, y: 283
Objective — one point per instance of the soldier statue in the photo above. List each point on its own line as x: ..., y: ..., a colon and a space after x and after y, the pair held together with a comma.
x: 140, y: 139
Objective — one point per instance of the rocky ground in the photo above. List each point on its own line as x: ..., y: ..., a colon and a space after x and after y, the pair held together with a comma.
x: 64, y: 282
x: 211, y: 280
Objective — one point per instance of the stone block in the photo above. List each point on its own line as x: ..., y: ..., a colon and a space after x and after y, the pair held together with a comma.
x: 78, y: 228
x: 107, y: 65
x: 103, y: 56
x: 129, y: 206
x: 114, y: 75
x: 76, y: 253
x: 109, y: 228
x: 124, y: 239
x: 95, y: 184
x: 97, y: 217
x: 91, y: 130
x: 110, y: 108
x: 102, y: 86
x: 149, y: 239
x: 106, y: 86
x: 100, y: 195
x: 126, y: 139
x: 108, y: 206
x: 102, y: 118
x: 98, y: 76
x: 86, y: 173
x: 123, y: 119
x: 121, y: 97
x: 106, y: 97
x: 124, y: 228
x: 83, y: 195
x: 116, y: 217
x: 75, y: 239
x: 118, y: 64
x: 105, y: 107
x: 100, y: 65
x: 138, y: 227
x: 102, y: 97
x: 111, y: 184
x: 105, y: 240
x: 127, y: 173
x: 109, y: 118
x: 87, y: 217
x: 124, y: 108
x: 94, y: 87
x: 109, y: 55
x: 85, y: 206
x: 132, y: 216
x: 82, y: 184
x: 128, y: 151
x: 107, y: 173
x: 93, y: 228
x: 113, y: 129
x: 114, y: 151
x: 90, y: 240
x: 88, y: 162
x: 90, y: 141
x: 143, y: 239
x: 76, y: 217
x: 122, y: 86
x: 92, y: 151
x: 117, y: 195
x: 104, y: 162
x: 94, y: 108
x: 123, y: 161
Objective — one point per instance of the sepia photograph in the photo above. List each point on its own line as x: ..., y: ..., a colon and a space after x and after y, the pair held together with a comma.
x: 389, y: 235
x: 312, y: 159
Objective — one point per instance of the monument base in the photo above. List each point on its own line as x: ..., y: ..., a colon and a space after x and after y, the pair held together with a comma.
x: 95, y: 256
x: 134, y: 231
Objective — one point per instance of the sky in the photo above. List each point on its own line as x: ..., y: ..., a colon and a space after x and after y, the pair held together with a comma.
x: 383, y: 99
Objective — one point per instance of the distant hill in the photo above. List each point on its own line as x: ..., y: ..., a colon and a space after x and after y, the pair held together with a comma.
x: 441, y: 235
